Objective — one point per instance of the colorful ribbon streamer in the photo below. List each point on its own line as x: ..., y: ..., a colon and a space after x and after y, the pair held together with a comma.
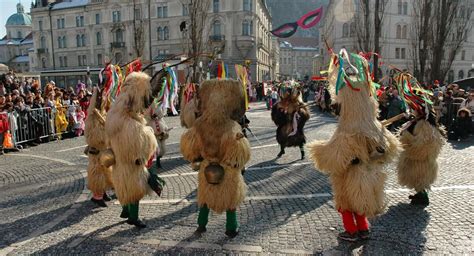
x: 243, y: 76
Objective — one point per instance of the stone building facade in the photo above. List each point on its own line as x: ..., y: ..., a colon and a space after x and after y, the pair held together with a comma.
x: 397, y: 38
x: 18, y: 42
x: 296, y: 61
x: 76, y: 34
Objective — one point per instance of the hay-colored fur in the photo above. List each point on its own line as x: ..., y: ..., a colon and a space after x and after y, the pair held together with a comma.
x: 188, y: 113
x: 229, y: 194
x: 359, y: 135
x: 99, y: 177
x: 418, y: 168
x: 131, y: 140
x: 217, y: 138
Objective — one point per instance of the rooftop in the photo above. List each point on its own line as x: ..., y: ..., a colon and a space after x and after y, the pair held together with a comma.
x: 21, y: 59
x: 70, y: 4
x: 19, y: 18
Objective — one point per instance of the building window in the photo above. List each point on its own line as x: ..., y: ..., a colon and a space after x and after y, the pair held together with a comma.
x: 405, y: 8
x: 65, y: 60
x: 470, y: 73
x: 162, y: 11
x: 166, y: 33
x: 215, y: 6
x: 352, y: 29
x: 116, y: 16
x: 99, y: 59
x: 345, y: 30
x: 19, y: 35
x: 137, y: 14
x: 159, y: 12
x: 246, y: 28
x: 119, y: 36
x: 399, y: 31
x: 160, y: 33
x: 463, y: 55
x: 397, y: 53
x: 247, y: 5
x: 118, y: 57
x: 97, y: 18
x: 84, y: 60
x: 79, y: 60
x: 43, y: 63
x: 403, y: 55
x: 58, y: 23
x: 460, y: 74
x: 400, y: 7
x: 404, y: 31
x: 64, y: 42
x: 60, y: 44
x: 40, y: 25
x: 216, y: 28
x: 43, y: 42
x: 83, y: 40
x: 78, y: 41
x: 185, y: 10
x: 450, y: 76
x: 60, y: 61
x: 98, y: 38
x: 79, y: 21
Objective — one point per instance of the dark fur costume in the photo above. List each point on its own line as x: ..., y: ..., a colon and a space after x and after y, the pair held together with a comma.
x: 283, y: 115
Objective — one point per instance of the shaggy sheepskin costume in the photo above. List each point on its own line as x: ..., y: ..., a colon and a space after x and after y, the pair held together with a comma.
x: 422, y: 139
x: 356, y: 153
x: 99, y: 176
x: 189, y: 105
x: 132, y: 144
x: 216, y: 139
x: 290, y: 115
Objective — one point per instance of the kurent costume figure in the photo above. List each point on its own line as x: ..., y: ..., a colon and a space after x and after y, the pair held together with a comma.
x: 155, y: 119
x: 132, y: 145
x: 422, y: 139
x: 216, y: 140
x: 290, y: 115
x: 356, y: 153
x: 99, y: 176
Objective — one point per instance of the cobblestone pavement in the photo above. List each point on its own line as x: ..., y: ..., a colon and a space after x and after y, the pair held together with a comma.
x: 288, y: 210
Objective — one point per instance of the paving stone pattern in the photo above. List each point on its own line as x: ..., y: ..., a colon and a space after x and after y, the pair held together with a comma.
x: 289, y: 209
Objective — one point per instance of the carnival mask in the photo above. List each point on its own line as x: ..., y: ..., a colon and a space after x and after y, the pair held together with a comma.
x: 306, y: 21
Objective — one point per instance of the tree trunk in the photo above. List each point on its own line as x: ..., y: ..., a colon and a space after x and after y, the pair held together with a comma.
x: 377, y: 27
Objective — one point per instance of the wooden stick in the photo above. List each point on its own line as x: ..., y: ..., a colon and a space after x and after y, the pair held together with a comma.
x: 101, y: 118
x: 389, y: 121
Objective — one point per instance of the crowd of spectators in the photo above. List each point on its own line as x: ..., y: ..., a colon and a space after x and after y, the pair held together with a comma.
x: 453, y: 107
x: 31, y: 114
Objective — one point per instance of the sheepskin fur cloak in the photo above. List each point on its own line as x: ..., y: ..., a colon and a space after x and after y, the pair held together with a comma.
x: 99, y: 177
x: 217, y: 138
x: 355, y: 155
x: 418, y: 167
x: 133, y: 142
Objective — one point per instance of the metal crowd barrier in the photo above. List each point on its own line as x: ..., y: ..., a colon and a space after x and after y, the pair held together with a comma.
x: 34, y: 124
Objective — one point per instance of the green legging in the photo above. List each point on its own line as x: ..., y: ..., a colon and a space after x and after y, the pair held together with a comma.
x: 231, y: 218
x: 130, y: 211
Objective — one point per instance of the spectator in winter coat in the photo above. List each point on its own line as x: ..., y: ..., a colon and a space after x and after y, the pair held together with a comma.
x: 394, y: 107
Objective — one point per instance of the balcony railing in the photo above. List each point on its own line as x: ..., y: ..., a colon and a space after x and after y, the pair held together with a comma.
x: 217, y: 38
x: 42, y: 50
x: 117, y: 44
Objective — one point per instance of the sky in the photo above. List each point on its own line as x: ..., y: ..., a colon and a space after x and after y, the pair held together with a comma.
x: 7, y: 8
